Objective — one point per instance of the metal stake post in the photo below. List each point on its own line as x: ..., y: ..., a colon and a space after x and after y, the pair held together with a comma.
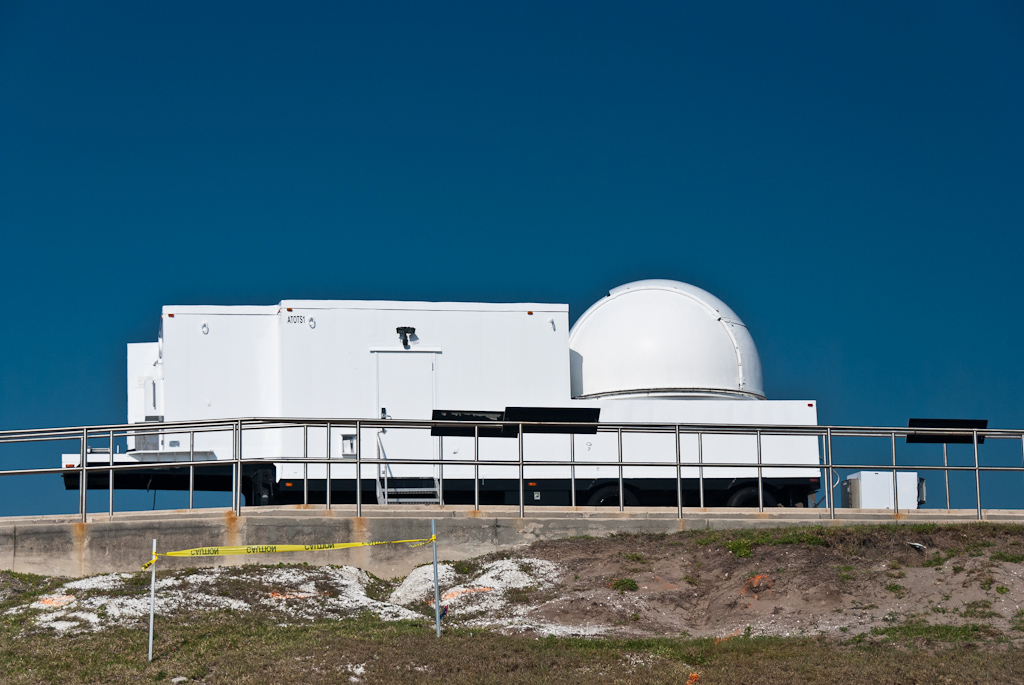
x: 305, y: 463
x: 977, y: 474
x: 621, y: 487
x: 437, y: 588
x: 152, y: 602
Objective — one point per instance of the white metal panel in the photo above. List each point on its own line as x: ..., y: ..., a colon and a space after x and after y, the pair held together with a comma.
x: 491, y: 359
x: 219, y: 365
x: 876, y: 489
x: 143, y: 368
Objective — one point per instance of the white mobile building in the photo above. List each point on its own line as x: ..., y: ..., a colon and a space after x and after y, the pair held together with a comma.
x: 651, y: 352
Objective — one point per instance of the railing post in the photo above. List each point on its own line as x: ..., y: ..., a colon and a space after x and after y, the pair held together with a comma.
x: 700, y: 467
x: 760, y: 483
x: 522, y: 495
x: 328, y: 464
x: 828, y: 472
x: 234, y: 471
x: 945, y: 470
x: 572, y: 470
x: 977, y: 473
x: 476, y: 467
x: 895, y: 483
x: 191, y: 468
x: 83, y: 478
x: 622, y: 492
x: 679, y: 479
x: 238, y: 500
x: 110, y: 477
x: 359, y: 477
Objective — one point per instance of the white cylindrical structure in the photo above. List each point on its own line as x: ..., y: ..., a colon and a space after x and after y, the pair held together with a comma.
x: 662, y: 338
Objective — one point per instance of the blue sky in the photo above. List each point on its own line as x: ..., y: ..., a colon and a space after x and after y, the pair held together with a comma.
x: 846, y: 176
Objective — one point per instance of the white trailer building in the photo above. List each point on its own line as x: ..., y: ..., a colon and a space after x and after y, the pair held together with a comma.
x: 651, y: 352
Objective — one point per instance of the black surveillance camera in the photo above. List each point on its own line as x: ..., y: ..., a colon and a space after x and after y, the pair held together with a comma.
x: 405, y: 332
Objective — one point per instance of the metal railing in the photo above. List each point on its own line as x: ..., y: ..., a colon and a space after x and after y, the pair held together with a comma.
x: 827, y: 465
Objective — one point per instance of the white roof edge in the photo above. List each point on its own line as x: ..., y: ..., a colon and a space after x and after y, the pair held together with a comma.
x: 426, y: 306
x: 220, y: 309
x: 367, y: 304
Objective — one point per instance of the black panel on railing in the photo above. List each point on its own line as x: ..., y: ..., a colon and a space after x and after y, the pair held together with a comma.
x: 470, y: 416
x: 947, y: 438
x: 554, y: 415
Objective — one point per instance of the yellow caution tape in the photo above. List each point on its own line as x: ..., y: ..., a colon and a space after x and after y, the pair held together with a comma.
x: 275, y: 549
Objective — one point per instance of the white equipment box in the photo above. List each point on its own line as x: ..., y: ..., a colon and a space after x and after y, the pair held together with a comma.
x: 873, y: 490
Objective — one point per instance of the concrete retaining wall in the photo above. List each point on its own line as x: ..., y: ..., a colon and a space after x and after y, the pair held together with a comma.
x: 61, y: 545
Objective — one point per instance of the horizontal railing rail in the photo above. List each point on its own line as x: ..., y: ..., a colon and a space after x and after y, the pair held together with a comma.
x: 102, y: 460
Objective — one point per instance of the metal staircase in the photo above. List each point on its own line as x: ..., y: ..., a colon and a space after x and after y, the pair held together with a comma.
x: 404, y: 490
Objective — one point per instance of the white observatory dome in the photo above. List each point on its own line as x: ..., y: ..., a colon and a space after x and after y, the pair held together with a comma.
x: 666, y: 339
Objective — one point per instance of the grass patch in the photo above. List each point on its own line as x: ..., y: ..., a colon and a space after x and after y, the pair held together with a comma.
x: 742, y: 548
x: 999, y: 555
x: 979, y: 609
x: 466, y: 567
x: 1017, y: 622
x: 937, y: 559
x: 378, y: 588
x: 635, y: 557
x: 897, y: 590
x: 624, y: 585
x: 917, y: 629
x: 743, y: 542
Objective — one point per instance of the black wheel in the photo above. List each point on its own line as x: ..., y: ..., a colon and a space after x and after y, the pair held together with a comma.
x: 608, y: 496
x: 747, y: 497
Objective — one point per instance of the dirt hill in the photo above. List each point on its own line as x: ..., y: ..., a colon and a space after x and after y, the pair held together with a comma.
x: 651, y: 607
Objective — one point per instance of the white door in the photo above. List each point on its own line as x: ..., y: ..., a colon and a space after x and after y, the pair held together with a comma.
x: 405, y: 390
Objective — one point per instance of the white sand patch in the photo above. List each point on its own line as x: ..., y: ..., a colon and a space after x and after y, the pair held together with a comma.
x: 486, y: 592
x: 110, y: 581
x: 301, y: 593
x: 419, y: 585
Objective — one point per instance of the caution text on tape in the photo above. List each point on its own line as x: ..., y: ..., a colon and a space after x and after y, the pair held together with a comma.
x: 276, y: 549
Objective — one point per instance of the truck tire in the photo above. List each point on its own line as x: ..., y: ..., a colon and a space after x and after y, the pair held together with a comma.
x: 608, y: 496
x: 747, y: 497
